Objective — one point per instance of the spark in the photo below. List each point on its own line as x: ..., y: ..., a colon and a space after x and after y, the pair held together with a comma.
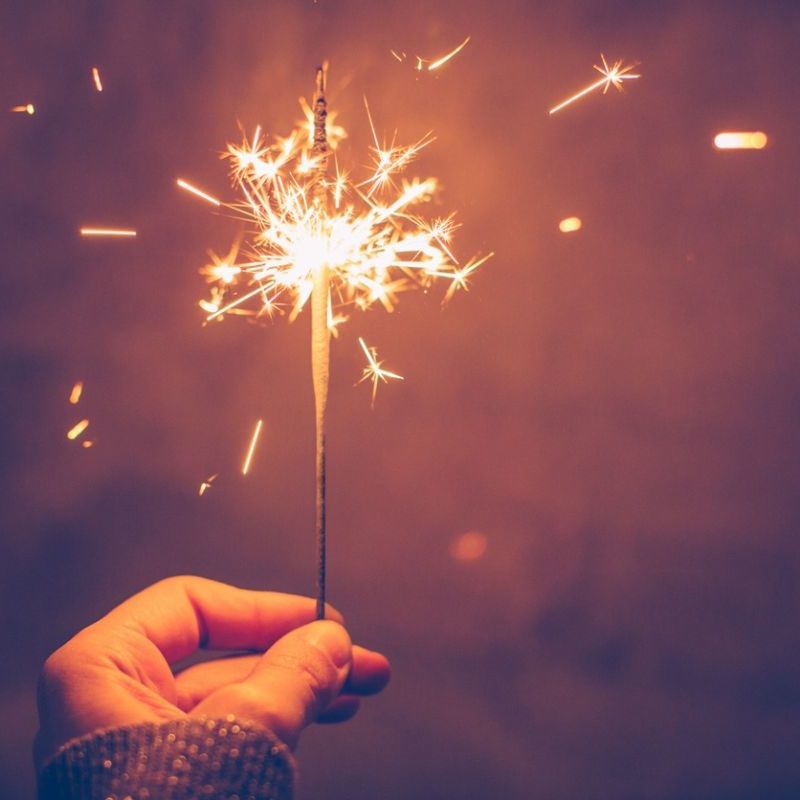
x: 75, y: 394
x: 371, y: 238
x: 612, y: 76
x: 740, y: 140
x: 198, y: 192
x: 96, y: 78
x: 430, y: 64
x: 25, y: 108
x: 76, y: 430
x: 206, y: 484
x: 120, y: 232
x: 570, y: 225
x: 445, y: 58
x: 87, y: 443
x: 252, y: 447
x: 374, y: 370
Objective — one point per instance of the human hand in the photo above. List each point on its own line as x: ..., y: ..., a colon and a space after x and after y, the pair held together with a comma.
x: 117, y: 671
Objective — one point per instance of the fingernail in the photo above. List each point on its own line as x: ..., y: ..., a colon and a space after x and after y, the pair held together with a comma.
x: 333, y: 639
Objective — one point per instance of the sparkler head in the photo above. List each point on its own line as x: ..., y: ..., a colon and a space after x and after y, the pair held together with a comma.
x: 370, y: 239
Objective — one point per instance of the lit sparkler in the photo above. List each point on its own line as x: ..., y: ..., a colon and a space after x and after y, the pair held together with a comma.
x: 330, y: 242
x: 612, y: 76
x: 374, y: 370
x: 98, y: 84
x: 197, y: 192
x: 248, y: 459
x: 118, y: 232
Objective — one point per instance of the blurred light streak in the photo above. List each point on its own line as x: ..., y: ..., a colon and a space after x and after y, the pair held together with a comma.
x: 26, y: 108
x: 76, y: 430
x: 740, y: 140
x: 206, y: 484
x: 252, y: 448
x: 469, y: 546
x: 75, y: 394
x: 108, y: 232
x: 194, y: 190
x: 98, y: 84
x: 444, y: 59
x: 612, y: 76
x: 373, y: 371
x: 570, y: 225
x: 429, y: 64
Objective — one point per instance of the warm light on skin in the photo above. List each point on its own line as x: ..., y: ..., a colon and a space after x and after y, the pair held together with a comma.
x: 197, y: 192
x: 570, y: 225
x: 96, y: 78
x: 740, y: 140
x: 252, y: 447
x: 612, y: 76
x: 120, y: 232
x: 27, y: 108
x: 76, y: 430
x: 75, y: 394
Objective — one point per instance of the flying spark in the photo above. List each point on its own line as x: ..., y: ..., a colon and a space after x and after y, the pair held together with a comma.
x: 26, y: 108
x: 431, y: 64
x: 374, y: 370
x: 96, y: 78
x: 194, y: 190
x: 740, y: 140
x: 612, y: 76
x: 570, y: 225
x: 87, y: 443
x: 76, y: 430
x: 120, y: 232
x: 75, y: 394
x: 252, y: 448
x: 206, y: 484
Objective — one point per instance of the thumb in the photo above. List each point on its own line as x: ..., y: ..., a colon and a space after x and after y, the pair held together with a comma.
x: 295, y: 680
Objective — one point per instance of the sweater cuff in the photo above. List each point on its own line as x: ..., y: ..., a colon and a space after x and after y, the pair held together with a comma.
x: 183, y: 758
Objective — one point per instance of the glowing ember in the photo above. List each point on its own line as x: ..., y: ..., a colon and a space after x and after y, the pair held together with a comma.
x: 75, y: 394
x: 570, y: 225
x: 740, y: 140
x: 76, y: 430
x: 252, y: 448
x: 469, y: 546
x: 612, y: 76
x: 206, y: 484
x: 27, y: 108
x: 96, y: 78
x: 199, y: 193
x: 374, y: 371
x: 123, y: 232
x: 87, y: 443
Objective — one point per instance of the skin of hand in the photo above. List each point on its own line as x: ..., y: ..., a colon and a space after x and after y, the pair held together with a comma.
x: 117, y: 671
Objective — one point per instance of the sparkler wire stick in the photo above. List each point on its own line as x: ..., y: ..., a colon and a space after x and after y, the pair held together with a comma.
x: 320, y: 332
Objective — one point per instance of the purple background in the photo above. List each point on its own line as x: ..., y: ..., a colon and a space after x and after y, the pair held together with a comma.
x: 616, y: 410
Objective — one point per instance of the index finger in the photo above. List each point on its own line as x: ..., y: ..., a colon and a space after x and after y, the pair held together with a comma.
x: 184, y: 613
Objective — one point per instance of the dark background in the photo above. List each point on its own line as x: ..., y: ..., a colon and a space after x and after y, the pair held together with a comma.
x: 615, y: 410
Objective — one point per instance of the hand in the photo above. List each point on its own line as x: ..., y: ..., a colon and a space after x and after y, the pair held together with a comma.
x: 117, y: 671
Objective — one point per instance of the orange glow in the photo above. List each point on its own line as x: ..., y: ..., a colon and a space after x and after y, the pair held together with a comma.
x: 570, y: 225
x: 87, y: 443
x: 76, y: 430
x: 199, y: 193
x: 96, y: 78
x: 75, y: 394
x: 123, y: 232
x: 26, y: 108
x: 252, y: 448
x: 469, y: 546
x: 612, y: 76
x: 740, y: 140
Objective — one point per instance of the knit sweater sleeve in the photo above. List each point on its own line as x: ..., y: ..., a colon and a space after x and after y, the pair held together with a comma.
x: 177, y: 760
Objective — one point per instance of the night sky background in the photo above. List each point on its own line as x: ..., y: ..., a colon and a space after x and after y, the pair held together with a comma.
x: 615, y: 410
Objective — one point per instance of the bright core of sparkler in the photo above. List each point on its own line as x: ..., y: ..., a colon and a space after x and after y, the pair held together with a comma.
x: 369, y: 235
x: 374, y: 370
x: 612, y: 76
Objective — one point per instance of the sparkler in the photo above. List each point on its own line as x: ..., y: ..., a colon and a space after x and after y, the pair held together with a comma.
x: 432, y: 64
x: 331, y: 242
x: 612, y: 76
x: 374, y: 371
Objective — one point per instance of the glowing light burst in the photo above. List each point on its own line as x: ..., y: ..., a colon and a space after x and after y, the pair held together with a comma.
x: 371, y: 238
x: 612, y: 76
x: 374, y: 370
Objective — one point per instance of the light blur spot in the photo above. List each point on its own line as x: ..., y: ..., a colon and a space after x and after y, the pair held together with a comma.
x: 76, y: 430
x: 740, y: 140
x: 469, y: 546
x: 87, y: 443
x: 75, y: 394
x: 26, y: 108
x: 98, y: 84
x: 570, y: 225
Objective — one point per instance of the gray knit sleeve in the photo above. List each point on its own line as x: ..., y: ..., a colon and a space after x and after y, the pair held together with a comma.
x: 177, y: 760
